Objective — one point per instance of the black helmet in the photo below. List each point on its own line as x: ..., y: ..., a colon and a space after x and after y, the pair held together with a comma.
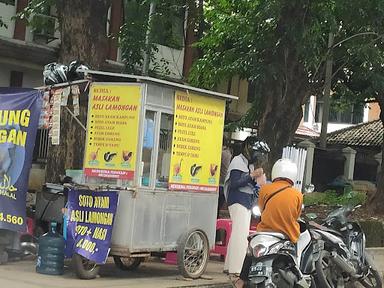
x: 55, y: 73
x: 256, y: 150
x: 73, y: 70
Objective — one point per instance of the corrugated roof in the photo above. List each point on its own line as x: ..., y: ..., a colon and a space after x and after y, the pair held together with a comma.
x: 365, y: 134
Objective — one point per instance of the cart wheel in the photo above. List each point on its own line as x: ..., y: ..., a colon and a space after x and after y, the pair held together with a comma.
x: 84, y: 268
x: 127, y: 263
x: 192, y: 254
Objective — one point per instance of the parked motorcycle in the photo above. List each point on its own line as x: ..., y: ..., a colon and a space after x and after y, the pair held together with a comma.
x: 277, y: 262
x: 344, y: 258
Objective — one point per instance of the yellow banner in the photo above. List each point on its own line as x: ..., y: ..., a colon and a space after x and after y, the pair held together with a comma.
x: 112, y: 131
x: 197, y: 142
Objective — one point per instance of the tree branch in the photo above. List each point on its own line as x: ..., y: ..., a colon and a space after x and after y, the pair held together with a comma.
x: 353, y: 36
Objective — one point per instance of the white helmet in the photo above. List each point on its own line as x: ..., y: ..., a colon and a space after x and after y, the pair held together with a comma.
x: 284, y: 169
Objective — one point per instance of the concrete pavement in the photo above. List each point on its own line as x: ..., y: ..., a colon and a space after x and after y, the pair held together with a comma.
x: 21, y: 274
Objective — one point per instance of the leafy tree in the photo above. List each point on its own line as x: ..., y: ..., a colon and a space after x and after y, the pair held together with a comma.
x: 282, y: 46
x: 162, y: 31
x: 82, y: 25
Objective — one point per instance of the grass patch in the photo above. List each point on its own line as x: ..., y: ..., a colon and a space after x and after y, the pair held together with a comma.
x: 332, y: 198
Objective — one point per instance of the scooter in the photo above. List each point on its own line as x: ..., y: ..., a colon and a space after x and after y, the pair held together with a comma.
x: 344, y: 259
x: 277, y: 262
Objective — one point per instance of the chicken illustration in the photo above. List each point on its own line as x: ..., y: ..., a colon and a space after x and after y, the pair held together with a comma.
x: 127, y: 155
x: 108, y: 156
x: 93, y: 154
x: 195, y: 169
x: 213, y: 169
x: 177, y: 168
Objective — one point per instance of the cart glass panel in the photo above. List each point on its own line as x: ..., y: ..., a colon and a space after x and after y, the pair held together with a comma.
x: 164, y: 151
x: 148, y: 145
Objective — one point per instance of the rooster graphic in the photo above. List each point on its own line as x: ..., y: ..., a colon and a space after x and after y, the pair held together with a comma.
x: 213, y: 169
x: 127, y: 155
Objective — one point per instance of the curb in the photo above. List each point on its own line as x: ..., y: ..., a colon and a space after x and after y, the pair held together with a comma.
x: 213, y: 285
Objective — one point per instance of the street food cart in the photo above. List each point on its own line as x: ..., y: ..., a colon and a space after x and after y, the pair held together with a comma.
x: 159, y: 144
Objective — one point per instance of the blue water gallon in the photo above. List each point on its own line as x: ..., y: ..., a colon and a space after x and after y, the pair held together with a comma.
x: 50, y: 257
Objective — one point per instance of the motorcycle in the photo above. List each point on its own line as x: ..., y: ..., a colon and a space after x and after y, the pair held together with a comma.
x: 277, y: 262
x: 344, y: 259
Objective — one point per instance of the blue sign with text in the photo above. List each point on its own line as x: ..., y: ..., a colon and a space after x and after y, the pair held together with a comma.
x: 19, y: 117
x: 90, y: 222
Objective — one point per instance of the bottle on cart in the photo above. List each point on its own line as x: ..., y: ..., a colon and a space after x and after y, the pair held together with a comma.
x: 50, y: 257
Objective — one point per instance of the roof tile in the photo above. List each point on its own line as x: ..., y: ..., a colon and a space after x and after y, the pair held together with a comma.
x: 365, y: 134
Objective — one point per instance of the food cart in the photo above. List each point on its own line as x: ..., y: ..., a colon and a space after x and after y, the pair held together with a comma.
x: 159, y: 144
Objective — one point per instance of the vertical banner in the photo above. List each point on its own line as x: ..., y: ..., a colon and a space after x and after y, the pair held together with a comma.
x: 112, y: 131
x: 197, y: 142
x: 19, y: 117
x: 89, y: 231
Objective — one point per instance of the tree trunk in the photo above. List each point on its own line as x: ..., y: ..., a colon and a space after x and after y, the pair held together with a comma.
x: 282, y: 114
x: 83, y: 26
x: 83, y: 37
x: 285, y: 91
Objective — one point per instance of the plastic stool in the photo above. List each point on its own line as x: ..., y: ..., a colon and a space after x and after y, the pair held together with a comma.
x: 226, y: 225
x: 170, y: 258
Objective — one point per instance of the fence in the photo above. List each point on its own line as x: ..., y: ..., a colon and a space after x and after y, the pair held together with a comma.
x: 298, y: 156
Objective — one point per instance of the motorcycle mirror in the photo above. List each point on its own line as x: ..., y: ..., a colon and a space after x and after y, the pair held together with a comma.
x: 311, y: 216
x: 357, y: 207
x: 256, y: 211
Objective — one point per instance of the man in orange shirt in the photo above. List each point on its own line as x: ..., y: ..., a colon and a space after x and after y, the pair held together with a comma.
x: 280, y: 205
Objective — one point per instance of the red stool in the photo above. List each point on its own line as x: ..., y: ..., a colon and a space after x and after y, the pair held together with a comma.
x: 170, y: 258
x: 226, y: 225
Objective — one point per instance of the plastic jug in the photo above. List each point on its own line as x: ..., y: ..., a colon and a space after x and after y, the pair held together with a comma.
x: 50, y: 257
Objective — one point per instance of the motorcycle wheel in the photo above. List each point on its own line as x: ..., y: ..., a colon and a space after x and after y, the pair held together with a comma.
x: 373, y: 279
x: 327, y: 272
x: 84, y: 268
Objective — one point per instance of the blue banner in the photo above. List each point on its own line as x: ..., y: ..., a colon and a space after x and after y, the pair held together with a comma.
x: 90, y: 222
x: 19, y: 117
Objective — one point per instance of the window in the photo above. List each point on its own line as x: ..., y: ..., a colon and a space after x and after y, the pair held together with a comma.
x: 352, y: 114
x: 16, y: 79
x: 251, y: 92
x: 164, y: 153
x: 319, y: 112
x: 148, y: 143
x: 306, y: 111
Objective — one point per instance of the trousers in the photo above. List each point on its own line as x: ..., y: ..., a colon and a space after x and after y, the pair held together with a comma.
x: 237, y: 246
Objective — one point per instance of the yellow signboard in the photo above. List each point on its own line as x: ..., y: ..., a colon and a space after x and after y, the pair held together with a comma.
x: 112, y: 134
x: 197, y: 142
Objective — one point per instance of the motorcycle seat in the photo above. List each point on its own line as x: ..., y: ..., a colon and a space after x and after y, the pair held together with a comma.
x: 274, y: 234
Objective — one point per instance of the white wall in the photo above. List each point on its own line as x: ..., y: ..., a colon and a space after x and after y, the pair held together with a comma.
x: 31, y: 77
x: 174, y: 57
x: 331, y: 126
x: 6, y: 13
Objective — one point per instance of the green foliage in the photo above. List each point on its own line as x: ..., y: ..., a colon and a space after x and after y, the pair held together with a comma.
x: 35, y: 7
x: 331, y: 198
x: 133, y: 33
x: 262, y: 40
x: 2, y: 24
